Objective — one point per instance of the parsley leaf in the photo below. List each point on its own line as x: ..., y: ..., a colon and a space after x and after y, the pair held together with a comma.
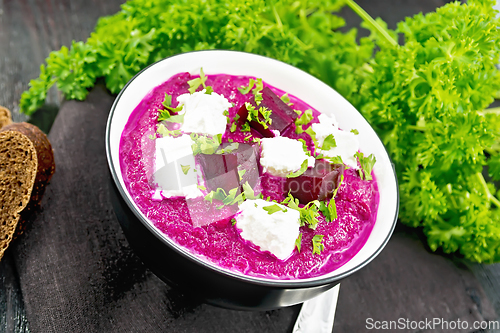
x: 245, y: 90
x: 317, y: 244
x: 257, y: 90
x: 285, y: 98
x: 255, y: 114
x: 366, y: 164
x: 166, y: 113
x: 303, y: 168
x: 185, y: 168
x: 205, y: 144
x: 273, y: 209
x: 329, y: 211
x: 164, y: 131
x: 303, y: 119
x: 308, y: 214
x: 329, y: 142
x: 195, y: 83
x: 298, y: 242
x: 218, y: 194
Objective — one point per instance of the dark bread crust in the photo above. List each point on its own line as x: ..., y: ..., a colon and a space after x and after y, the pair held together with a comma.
x: 18, y: 168
x: 45, y: 169
x: 5, y: 116
x: 45, y: 155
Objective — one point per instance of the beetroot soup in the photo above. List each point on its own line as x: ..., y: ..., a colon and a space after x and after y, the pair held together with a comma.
x: 248, y: 178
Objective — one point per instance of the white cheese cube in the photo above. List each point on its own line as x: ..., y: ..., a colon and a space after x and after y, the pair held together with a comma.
x: 276, y: 232
x: 175, y: 170
x: 281, y: 155
x: 204, y: 113
x: 347, y: 142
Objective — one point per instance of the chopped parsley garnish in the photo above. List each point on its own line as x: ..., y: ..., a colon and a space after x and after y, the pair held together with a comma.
x: 329, y: 211
x: 245, y: 127
x: 229, y: 148
x: 303, y: 168
x: 164, y: 131
x: 333, y: 160
x: 185, y: 168
x: 231, y: 197
x: 166, y: 112
x: 274, y: 208
x: 355, y: 131
x: 194, y: 84
x: 205, y: 144
x: 285, y: 98
x: 255, y: 114
x: 257, y: 86
x: 233, y: 127
x: 308, y: 214
x: 245, y: 90
x: 298, y: 242
x: 167, y: 104
x: 241, y: 173
x: 329, y: 143
x: 366, y: 164
x: 317, y: 244
x: 249, y: 193
x: 233, y: 221
x: 303, y: 119
x: 218, y: 194
x: 312, y: 134
x: 257, y: 91
x: 178, y: 118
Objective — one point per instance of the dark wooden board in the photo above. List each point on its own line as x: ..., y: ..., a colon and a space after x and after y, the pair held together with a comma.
x: 30, y: 29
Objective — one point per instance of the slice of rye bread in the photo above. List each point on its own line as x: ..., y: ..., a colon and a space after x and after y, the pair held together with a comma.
x: 5, y: 116
x: 45, y: 156
x: 44, y: 168
x: 18, y: 166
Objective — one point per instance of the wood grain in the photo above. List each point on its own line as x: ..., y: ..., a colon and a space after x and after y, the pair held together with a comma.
x: 31, y: 29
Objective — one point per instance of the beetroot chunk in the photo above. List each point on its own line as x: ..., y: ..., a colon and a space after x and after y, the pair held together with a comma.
x: 226, y: 170
x: 318, y: 182
x: 282, y: 115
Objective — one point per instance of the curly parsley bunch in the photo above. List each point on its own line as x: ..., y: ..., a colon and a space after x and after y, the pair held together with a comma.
x: 425, y: 99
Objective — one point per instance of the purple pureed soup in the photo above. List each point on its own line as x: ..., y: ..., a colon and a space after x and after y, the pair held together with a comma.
x: 219, y: 242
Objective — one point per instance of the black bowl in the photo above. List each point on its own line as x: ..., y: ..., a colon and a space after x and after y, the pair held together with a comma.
x: 169, y: 261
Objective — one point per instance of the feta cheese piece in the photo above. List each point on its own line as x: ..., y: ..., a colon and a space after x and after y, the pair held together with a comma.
x: 204, y: 113
x: 328, y: 120
x: 347, y: 142
x: 175, y: 170
x: 281, y: 156
x: 276, y: 232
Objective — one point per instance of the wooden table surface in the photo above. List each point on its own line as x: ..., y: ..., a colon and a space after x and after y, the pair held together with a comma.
x: 405, y: 281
